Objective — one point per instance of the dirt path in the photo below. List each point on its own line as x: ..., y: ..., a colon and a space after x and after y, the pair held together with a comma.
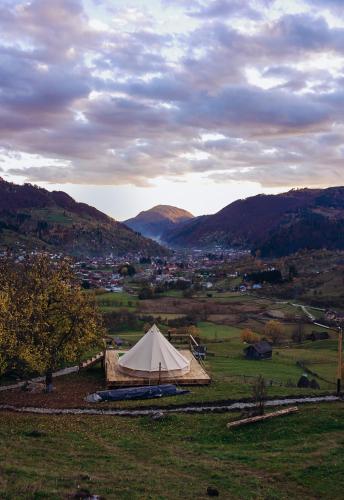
x: 237, y: 406
x: 59, y: 373
x: 307, y: 312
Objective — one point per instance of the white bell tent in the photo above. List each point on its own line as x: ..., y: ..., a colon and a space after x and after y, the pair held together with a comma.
x: 153, y: 357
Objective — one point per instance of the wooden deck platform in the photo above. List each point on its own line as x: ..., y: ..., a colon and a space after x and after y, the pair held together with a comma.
x: 114, y: 378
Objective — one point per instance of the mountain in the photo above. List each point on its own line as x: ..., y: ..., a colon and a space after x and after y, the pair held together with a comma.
x: 158, y: 221
x: 34, y: 218
x: 272, y: 225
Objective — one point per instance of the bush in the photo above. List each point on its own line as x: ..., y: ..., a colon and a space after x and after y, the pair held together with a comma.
x: 121, y: 320
x: 146, y: 293
x: 249, y: 336
x: 187, y: 320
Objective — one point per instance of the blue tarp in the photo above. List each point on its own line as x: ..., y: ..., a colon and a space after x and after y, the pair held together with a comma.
x: 146, y: 392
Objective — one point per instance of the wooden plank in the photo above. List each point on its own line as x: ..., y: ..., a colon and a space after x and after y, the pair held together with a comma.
x: 92, y: 361
x: 193, y: 340
x: 259, y: 418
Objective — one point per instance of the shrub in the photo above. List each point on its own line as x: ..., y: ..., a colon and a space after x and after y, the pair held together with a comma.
x: 146, y: 293
x: 249, y: 336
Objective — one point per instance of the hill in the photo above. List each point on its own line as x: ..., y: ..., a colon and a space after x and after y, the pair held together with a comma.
x: 272, y: 225
x: 158, y: 221
x: 34, y: 218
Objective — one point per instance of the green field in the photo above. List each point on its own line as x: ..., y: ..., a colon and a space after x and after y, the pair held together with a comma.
x: 55, y: 216
x: 212, y: 331
x: 111, y: 301
x: 298, y: 456
x: 232, y: 374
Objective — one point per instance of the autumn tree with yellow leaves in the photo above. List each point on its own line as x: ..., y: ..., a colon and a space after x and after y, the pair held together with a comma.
x: 8, y: 342
x: 46, y: 320
x: 273, y: 331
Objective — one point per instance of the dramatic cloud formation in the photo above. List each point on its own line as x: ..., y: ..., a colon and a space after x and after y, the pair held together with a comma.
x: 101, y: 92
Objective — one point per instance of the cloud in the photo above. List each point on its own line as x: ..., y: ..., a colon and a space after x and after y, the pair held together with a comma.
x: 251, y: 107
x: 128, y: 98
x: 304, y: 32
x: 326, y: 4
x: 164, y: 88
x: 225, y: 8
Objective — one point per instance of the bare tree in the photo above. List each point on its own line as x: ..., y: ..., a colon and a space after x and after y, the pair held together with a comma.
x: 259, y: 392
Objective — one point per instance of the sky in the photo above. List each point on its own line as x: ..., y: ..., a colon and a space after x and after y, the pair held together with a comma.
x: 126, y: 104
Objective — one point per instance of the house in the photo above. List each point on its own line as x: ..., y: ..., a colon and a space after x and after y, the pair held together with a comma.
x: 260, y: 350
x: 317, y: 336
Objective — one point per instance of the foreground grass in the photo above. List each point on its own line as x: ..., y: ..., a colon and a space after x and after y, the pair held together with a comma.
x: 299, y: 456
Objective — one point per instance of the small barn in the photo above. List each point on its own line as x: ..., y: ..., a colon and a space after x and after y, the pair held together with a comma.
x: 317, y: 336
x: 260, y: 350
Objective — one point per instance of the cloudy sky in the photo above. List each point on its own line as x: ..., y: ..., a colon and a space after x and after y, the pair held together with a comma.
x: 125, y: 104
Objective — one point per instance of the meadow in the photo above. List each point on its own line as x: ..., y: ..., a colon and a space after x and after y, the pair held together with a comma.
x: 299, y: 456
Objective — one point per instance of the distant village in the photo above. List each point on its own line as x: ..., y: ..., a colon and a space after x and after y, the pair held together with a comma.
x: 181, y: 271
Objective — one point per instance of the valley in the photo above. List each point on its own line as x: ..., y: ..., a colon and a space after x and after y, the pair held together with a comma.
x: 226, y: 300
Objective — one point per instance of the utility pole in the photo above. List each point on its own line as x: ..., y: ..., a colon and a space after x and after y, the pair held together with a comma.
x: 340, y: 359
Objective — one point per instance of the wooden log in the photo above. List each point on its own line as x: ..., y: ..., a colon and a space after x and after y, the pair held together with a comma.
x: 259, y: 418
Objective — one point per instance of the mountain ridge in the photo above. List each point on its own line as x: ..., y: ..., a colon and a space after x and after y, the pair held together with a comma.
x: 35, y: 218
x: 270, y: 224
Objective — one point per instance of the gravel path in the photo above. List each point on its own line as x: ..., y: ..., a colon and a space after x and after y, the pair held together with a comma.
x: 189, y: 409
x: 59, y: 373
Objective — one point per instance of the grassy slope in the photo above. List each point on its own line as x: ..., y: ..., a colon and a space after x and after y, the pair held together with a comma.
x: 181, y: 456
x: 299, y: 456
